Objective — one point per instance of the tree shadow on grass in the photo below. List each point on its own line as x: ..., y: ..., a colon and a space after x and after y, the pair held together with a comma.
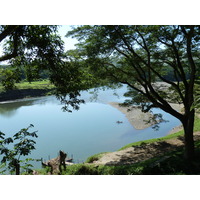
x: 144, y: 152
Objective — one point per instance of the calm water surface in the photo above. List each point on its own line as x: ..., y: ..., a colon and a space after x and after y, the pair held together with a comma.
x: 82, y: 133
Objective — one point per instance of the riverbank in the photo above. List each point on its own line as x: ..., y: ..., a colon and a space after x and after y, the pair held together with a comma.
x: 27, y: 90
x: 142, y: 152
x: 139, y: 119
x: 23, y: 94
x: 136, y: 117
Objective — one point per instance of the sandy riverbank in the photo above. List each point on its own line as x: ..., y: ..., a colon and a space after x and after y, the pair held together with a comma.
x: 176, y: 129
x: 179, y: 108
x: 138, y: 119
x: 135, y: 116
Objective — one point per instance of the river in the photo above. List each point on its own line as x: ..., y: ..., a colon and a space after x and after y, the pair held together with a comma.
x: 82, y: 133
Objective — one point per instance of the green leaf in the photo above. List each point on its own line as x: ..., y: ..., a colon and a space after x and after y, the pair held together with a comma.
x: 8, y: 140
x: 1, y: 135
x: 23, y: 147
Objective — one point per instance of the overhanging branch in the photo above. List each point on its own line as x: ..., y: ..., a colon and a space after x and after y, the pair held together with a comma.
x: 7, y: 32
x: 14, y: 53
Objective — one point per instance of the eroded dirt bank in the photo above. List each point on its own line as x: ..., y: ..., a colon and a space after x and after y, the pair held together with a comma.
x: 143, y: 152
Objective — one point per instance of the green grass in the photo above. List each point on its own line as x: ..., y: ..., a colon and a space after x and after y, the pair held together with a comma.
x: 153, y: 140
x: 94, y: 157
x: 81, y: 169
x: 44, y: 84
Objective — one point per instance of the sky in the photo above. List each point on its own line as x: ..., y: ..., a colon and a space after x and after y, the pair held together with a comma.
x: 69, y: 42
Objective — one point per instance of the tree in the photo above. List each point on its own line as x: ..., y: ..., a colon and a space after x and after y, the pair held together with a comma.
x: 34, y: 47
x: 30, y: 44
x: 38, y: 49
x: 139, y: 56
x: 12, y: 154
x: 8, y: 78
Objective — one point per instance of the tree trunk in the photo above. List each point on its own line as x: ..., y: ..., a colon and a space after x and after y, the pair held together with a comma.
x: 188, y: 125
x: 17, y: 167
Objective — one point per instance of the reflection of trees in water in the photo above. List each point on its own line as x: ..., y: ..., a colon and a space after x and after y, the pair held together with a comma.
x: 10, y: 109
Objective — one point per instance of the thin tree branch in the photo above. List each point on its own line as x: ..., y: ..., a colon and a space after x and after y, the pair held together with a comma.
x: 7, y: 31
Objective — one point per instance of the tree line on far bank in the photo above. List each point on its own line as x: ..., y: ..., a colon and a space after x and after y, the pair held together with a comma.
x: 9, y: 75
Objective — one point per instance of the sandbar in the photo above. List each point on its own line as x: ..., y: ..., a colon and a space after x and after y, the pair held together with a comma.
x: 138, y: 119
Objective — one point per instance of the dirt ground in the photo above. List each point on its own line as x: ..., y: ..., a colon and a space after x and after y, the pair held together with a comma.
x: 141, y: 153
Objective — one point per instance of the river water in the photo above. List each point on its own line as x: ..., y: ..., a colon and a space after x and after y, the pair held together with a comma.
x: 92, y: 129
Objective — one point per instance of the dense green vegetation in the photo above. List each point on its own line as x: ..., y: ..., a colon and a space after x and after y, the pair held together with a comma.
x: 13, y: 148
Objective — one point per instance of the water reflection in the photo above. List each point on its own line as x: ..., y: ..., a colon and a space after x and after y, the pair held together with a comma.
x: 10, y: 109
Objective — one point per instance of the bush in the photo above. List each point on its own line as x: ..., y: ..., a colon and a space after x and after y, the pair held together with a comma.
x: 12, y: 153
x: 81, y: 169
